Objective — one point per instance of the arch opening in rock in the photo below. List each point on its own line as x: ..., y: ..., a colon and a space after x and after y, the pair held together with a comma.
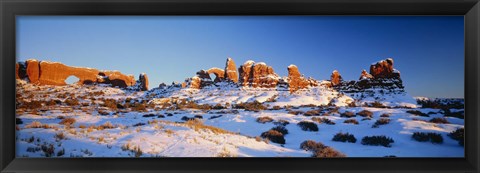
x: 72, y: 79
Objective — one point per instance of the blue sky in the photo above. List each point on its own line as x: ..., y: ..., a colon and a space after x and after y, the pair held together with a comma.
x: 428, y: 50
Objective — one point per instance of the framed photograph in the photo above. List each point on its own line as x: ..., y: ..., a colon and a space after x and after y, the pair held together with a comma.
x: 285, y: 86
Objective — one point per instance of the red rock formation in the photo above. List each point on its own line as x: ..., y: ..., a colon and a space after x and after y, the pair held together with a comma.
x: 384, y: 69
x: 143, y: 78
x: 245, y: 73
x: 231, y: 70
x: 33, y: 70
x: 17, y: 67
x: 219, y: 74
x: 365, y: 75
x: 195, y: 82
x: 295, y: 79
x: 263, y: 76
x: 55, y: 73
x: 335, y: 78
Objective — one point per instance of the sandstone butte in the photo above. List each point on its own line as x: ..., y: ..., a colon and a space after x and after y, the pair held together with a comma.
x: 55, y: 73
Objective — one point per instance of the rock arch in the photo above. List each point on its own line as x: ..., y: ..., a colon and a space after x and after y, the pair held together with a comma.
x: 219, y: 74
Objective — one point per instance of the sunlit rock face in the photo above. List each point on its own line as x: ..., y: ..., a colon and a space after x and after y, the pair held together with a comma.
x: 295, y: 79
x: 55, y: 73
x: 336, y: 78
x: 231, y: 73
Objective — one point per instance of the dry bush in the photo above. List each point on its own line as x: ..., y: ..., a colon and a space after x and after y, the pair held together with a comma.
x: 312, y: 113
x: 458, y: 135
x: 351, y: 121
x: 18, y: 121
x: 280, y: 129
x: 308, y: 126
x: 348, y: 114
x: 110, y: 103
x: 377, y: 104
x: 34, y: 124
x: 281, y: 122
x: 320, y: 150
x: 439, y: 121
x: 72, y: 102
x: 432, y: 137
x: 198, y: 125
x: 385, y: 115
x: 381, y: 121
x: 274, y: 136
x: 60, y: 136
x: 251, y: 106
x: 67, y: 121
x: 49, y: 150
x: 344, y: 137
x: 295, y: 112
x: 377, y: 140
x: 264, y: 120
x: 417, y: 113
x: 365, y: 113
x: 323, y: 120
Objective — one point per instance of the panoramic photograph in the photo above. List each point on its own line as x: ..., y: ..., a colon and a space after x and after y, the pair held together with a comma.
x: 240, y: 86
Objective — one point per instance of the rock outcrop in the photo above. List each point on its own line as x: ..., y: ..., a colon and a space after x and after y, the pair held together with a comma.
x: 143, y: 79
x: 384, y: 69
x: 295, y: 79
x: 55, y: 73
x: 257, y: 75
x: 231, y: 73
x: 219, y: 74
x: 336, y: 78
x: 365, y: 75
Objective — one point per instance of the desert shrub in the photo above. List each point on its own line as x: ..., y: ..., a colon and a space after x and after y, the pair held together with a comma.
x: 49, y: 150
x: 418, y: 113
x: 310, y: 145
x: 320, y: 150
x: 348, y: 114
x: 198, y: 116
x: 61, y: 152
x: 365, y: 113
x: 377, y: 104
x: 351, y: 121
x: 295, y: 112
x: 439, y: 120
x: 34, y: 124
x: 281, y: 122
x: 218, y: 106
x: 215, y: 116
x: 458, y: 135
x: 381, y: 121
x: 385, y: 115
x: 18, y: 121
x: 276, y: 108
x: 323, y: 120
x: 251, y: 106
x: 148, y: 115
x: 103, y: 112
x: 67, y: 121
x: 198, y: 125
x: 280, y: 129
x: 274, y: 136
x: 264, y: 120
x: 60, y: 136
x: 138, y: 124
x: 344, y: 137
x: 377, y: 140
x: 308, y: 126
x: 185, y: 118
x: 111, y: 103
x: 72, y: 102
x: 34, y: 104
x: 424, y: 137
x: 106, y: 125
x: 169, y: 114
x: 459, y: 114
x: 312, y: 113
x: 139, y: 107
x: 328, y: 152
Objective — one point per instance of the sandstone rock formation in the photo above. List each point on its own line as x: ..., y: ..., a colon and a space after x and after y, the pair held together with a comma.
x: 384, y: 69
x: 55, y: 73
x: 245, y: 73
x: 365, y: 75
x: 17, y: 67
x: 231, y: 73
x: 257, y: 75
x: 295, y: 79
x: 336, y: 78
x: 219, y: 74
x: 143, y: 78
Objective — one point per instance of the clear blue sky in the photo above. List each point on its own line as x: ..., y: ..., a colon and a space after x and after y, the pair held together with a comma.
x: 428, y: 50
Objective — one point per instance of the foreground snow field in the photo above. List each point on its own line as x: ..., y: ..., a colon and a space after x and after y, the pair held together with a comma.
x: 222, y: 121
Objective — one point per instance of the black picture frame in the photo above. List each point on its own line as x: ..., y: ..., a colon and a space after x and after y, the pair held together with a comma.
x: 11, y: 8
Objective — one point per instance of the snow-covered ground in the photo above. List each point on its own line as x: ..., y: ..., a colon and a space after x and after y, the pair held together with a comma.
x: 160, y: 130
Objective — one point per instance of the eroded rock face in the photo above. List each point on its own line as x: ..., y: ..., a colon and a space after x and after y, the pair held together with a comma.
x: 17, y: 67
x: 384, y: 69
x: 295, y: 79
x: 336, y: 78
x: 365, y: 75
x: 143, y: 78
x: 55, y: 73
x: 219, y: 74
x: 245, y: 73
x: 231, y: 73
x: 263, y: 76
x: 33, y: 70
